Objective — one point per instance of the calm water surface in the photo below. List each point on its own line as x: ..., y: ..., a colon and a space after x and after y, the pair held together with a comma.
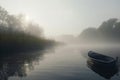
x: 67, y: 62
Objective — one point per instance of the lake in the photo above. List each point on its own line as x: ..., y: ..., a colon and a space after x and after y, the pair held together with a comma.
x: 68, y: 62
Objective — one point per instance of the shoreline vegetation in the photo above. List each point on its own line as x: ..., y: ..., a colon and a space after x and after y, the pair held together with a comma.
x: 18, y: 35
x: 107, y: 33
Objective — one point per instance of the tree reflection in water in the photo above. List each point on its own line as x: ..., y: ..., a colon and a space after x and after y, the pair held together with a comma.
x: 18, y: 64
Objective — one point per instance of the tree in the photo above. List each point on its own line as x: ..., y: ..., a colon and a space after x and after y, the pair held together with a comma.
x: 90, y: 34
x: 108, y: 31
x: 34, y: 29
x: 13, y: 24
x: 3, y: 15
x: 108, y: 26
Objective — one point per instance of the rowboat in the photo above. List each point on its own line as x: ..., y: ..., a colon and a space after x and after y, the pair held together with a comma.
x: 101, y: 60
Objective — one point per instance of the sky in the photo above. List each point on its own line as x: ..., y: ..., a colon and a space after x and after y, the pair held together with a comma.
x: 58, y: 17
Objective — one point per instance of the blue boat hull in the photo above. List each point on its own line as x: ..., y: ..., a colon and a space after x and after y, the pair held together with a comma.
x: 101, y: 60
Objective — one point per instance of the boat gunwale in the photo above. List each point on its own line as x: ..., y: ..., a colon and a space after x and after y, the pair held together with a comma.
x: 99, y: 60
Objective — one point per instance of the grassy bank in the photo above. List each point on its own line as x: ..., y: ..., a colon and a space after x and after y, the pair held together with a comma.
x: 20, y: 42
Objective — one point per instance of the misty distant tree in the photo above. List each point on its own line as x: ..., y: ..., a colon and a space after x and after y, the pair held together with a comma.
x: 109, y: 24
x: 90, y: 34
x: 18, y: 35
x: 107, y: 27
x: 117, y: 29
x: 3, y: 15
x: 3, y: 19
x: 108, y: 31
x: 9, y: 22
x: 34, y: 29
x: 16, y: 23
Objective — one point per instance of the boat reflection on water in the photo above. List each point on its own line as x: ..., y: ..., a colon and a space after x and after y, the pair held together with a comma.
x: 18, y: 65
x: 102, y: 71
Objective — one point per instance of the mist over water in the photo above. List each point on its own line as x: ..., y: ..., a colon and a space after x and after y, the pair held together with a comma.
x: 66, y: 62
x: 27, y: 53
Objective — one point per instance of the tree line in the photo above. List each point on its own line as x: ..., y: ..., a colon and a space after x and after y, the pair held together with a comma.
x: 17, y: 34
x: 108, y: 31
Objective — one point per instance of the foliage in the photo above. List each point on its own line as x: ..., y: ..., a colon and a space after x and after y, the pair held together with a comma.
x: 17, y: 34
x: 13, y: 24
x: 108, y: 31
